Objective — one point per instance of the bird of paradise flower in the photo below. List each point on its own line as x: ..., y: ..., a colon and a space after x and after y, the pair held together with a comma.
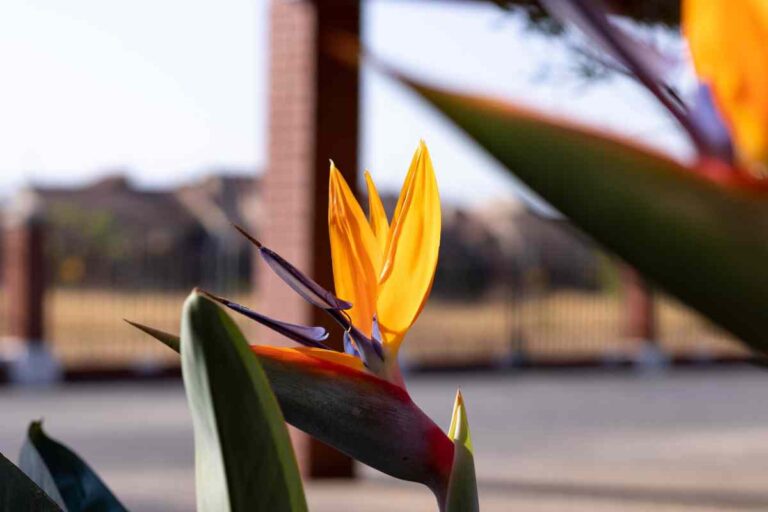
x: 356, y: 399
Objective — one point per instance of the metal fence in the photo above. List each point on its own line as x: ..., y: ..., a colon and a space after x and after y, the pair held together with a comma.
x: 535, y: 321
x: 85, y: 327
x: 521, y: 314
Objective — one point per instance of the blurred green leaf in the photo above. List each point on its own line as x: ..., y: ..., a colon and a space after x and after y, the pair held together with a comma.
x: 701, y: 241
x: 243, y: 455
x: 19, y: 492
x: 66, y: 478
x: 462, y: 485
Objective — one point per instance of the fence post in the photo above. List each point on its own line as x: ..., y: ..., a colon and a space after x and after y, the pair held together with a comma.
x: 640, y: 319
x: 313, y: 118
x: 30, y: 360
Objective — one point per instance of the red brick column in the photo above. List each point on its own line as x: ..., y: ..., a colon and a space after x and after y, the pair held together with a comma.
x: 640, y: 318
x: 24, y: 288
x: 313, y: 118
x: 23, y: 278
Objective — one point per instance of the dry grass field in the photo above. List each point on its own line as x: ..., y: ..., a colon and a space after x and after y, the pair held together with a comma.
x: 557, y: 327
x: 86, y: 329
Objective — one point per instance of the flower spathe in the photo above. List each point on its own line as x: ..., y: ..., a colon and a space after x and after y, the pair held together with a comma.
x: 728, y: 42
x: 386, y: 270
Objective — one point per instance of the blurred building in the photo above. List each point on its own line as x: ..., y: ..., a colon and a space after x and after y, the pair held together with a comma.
x: 113, y: 234
x: 505, y: 247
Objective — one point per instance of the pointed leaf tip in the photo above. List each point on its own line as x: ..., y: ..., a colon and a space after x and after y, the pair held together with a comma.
x: 459, y: 430
x: 64, y: 475
x: 168, y: 339
x: 462, y: 486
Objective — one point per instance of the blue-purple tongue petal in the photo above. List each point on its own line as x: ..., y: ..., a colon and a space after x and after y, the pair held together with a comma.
x: 301, y: 284
x: 349, y: 345
x: 369, y: 351
x: 306, y: 335
x: 293, y: 277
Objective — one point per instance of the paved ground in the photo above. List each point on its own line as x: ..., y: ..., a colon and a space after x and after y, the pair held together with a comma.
x: 683, y: 441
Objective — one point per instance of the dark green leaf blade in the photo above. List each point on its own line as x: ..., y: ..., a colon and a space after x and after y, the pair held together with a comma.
x: 19, y: 492
x: 243, y: 455
x: 76, y: 485
x: 701, y: 241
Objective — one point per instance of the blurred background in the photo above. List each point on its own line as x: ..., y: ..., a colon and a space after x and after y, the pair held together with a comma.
x: 135, y: 134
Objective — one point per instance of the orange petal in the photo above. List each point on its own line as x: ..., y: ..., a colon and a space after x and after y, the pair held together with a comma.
x: 728, y: 44
x: 336, y: 361
x: 376, y: 214
x: 355, y: 252
x: 412, y: 250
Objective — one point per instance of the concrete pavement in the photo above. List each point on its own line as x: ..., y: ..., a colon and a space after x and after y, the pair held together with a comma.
x: 684, y: 440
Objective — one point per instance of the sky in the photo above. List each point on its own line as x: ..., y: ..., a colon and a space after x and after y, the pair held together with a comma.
x: 169, y: 91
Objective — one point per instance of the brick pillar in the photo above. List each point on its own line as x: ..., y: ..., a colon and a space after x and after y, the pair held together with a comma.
x: 640, y: 321
x: 24, y: 287
x: 313, y: 118
x: 23, y: 277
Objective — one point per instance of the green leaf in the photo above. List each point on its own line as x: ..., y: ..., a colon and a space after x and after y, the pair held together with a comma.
x: 357, y: 413
x: 63, y: 475
x: 243, y: 456
x: 19, y: 492
x: 462, y: 485
x: 701, y: 241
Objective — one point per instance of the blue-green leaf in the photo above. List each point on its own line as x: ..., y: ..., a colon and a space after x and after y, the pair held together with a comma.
x: 63, y: 475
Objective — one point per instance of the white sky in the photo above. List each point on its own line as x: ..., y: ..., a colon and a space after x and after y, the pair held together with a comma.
x: 169, y: 90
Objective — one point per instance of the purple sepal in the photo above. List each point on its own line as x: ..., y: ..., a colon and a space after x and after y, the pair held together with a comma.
x: 306, y: 335
x: 298, y: 281
x: 301, y: 284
